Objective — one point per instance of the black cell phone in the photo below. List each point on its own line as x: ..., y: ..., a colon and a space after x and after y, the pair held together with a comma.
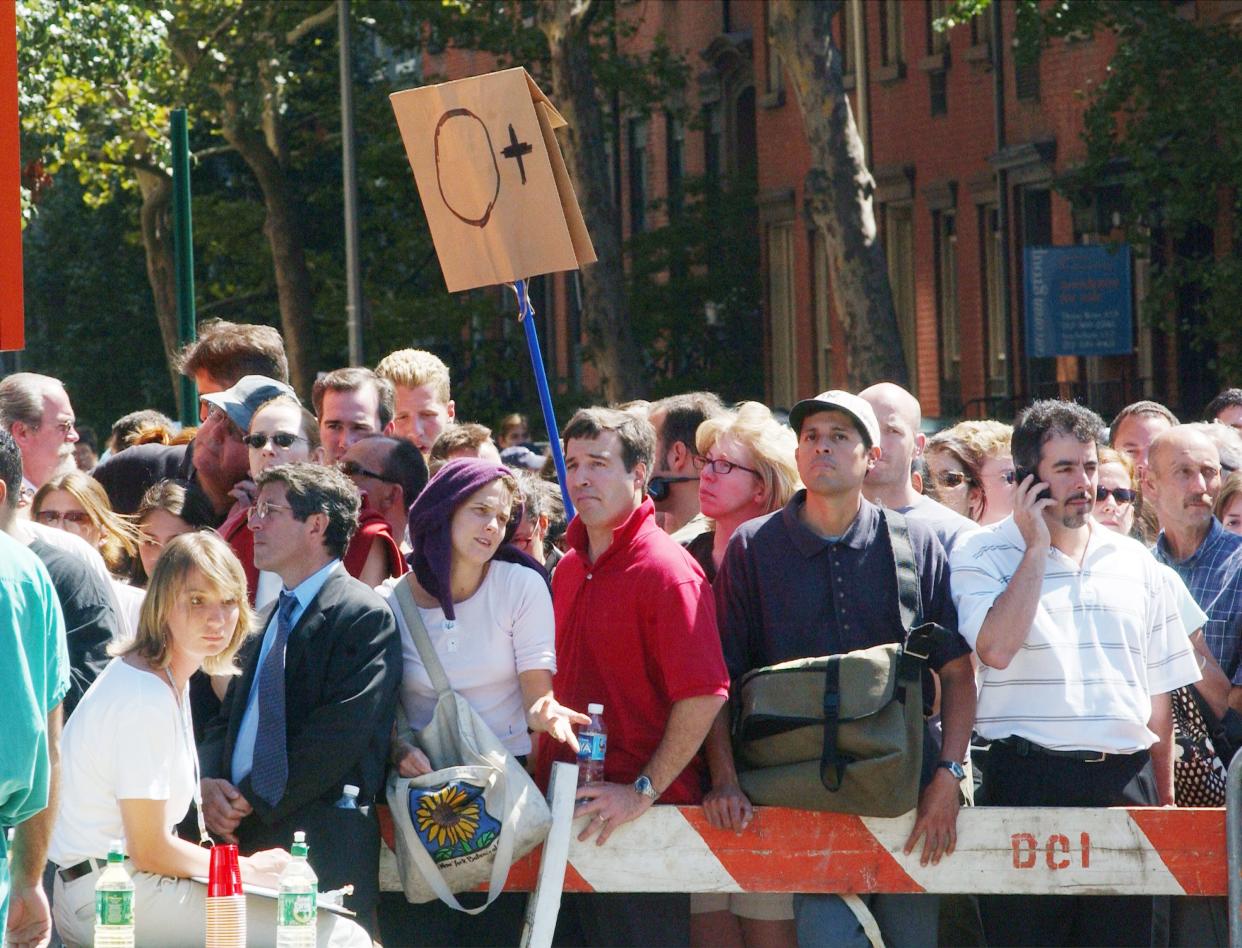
x: 1020, y: 475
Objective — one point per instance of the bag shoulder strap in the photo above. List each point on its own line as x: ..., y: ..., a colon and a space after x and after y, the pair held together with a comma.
x: 907, y: 576
x: 422, y: 641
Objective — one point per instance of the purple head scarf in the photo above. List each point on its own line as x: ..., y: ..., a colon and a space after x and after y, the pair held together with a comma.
x: 431, y: 520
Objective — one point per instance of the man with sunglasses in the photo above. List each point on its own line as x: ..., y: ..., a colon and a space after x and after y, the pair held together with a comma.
x: 889, y: 483
x: 674, y: 483
x: 389, y: 474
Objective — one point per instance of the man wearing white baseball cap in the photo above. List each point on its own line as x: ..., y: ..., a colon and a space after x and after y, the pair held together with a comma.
x: 818, y: 578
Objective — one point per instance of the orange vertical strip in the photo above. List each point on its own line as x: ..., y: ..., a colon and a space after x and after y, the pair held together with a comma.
x: 12, y: 312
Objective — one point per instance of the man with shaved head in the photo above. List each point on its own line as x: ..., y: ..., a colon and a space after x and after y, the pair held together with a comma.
x: 901, y: 441
x: 1181, y: 483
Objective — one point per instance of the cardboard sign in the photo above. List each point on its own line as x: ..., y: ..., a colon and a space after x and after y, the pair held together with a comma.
x: 492, y: 180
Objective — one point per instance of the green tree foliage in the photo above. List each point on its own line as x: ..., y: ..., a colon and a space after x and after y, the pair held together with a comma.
x: 1164, y: 125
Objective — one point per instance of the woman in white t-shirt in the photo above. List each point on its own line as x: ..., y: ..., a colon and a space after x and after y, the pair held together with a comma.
x: 487, y: 609
x: 129, y: 763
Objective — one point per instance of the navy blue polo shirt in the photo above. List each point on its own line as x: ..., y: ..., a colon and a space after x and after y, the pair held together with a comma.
x: 784, y: 592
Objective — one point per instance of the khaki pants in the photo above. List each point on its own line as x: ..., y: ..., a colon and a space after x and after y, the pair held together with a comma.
x: 169, y: 913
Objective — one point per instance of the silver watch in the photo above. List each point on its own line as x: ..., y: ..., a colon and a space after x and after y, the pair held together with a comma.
x: 643, y: 786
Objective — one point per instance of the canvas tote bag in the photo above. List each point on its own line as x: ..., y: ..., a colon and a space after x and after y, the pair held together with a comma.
x: 841, y: 733
x: 464, y: 823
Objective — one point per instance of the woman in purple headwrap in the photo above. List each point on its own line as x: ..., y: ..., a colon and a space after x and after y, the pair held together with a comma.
x: 487, y: 609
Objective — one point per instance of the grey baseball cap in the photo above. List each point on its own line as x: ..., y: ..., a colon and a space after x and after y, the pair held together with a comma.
x: 242, y: 400
x: 858, y: 409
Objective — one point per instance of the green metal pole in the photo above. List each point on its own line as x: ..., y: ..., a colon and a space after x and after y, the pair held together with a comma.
x: 183, y: 251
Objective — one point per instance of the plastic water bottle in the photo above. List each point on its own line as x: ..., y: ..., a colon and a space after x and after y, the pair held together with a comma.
x: 349, y: 799
x: 297, y: 906
x: 114, y: 902
x: 592, y: 746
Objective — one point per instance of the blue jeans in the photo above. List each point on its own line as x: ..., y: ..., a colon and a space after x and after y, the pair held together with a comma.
x: 906, y: 921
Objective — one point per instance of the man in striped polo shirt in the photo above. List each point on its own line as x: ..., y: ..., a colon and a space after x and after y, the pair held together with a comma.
x: 1078, y: 653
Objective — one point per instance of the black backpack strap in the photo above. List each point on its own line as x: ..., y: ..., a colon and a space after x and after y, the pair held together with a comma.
x: 907, y: 576
x: 831, y: 765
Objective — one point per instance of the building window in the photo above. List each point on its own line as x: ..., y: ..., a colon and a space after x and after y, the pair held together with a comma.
x: 997, y: 329
x: 981, y: 28
x: 845, y: 23
x: 947, y: 320
x: 675, y: 160
x: 890, y: 33
x: 638, y: 174
x: 1026, y: 79
x: 937, y: 40
x: 938, y: 84
x: 899, y: 251
x: 823, y: 310
x: 713, y: 143
x: 782, y: 314
x: 774, y: 85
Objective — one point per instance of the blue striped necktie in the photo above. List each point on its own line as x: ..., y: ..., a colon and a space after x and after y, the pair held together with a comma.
x: 270, y: 768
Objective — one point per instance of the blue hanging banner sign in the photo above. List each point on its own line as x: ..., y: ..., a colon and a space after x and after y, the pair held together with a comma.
x: 1078, y: 301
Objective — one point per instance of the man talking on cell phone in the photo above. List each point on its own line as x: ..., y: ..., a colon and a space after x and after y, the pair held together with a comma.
x: 1078, y: 650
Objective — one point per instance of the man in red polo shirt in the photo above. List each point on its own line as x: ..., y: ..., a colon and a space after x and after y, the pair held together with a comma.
x: 635, y: 632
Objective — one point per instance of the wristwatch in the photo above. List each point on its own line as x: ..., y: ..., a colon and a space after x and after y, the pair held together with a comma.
x: 953, y: 767
x: 643, y: 786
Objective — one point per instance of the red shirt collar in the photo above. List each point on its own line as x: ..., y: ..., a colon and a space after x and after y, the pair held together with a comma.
x: 643, y: 517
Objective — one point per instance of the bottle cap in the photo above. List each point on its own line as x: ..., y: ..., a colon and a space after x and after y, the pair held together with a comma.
x: 595, y: 709
x: 299, y: 847
x: 116, y: 851
x: 225, y: 876
x: 351, y: 790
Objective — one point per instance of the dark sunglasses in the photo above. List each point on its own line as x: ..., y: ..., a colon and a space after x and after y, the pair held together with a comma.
x: 1122, y: 495
x: 49, y: 518
x: 658, y: 487
x: 282, y: 439
x: 953, y: 479
x: 354, y: 469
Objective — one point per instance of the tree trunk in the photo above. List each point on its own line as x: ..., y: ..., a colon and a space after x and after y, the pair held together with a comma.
x: 839, y: 192
x: 284, y: 237
x: 157, y: 242
x: 605, y: 306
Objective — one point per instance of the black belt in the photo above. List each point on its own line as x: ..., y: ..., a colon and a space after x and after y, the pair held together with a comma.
x: 1024, y: 748
x: 84, y: 868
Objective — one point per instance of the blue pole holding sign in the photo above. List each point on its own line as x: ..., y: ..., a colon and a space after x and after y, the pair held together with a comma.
x: 526, y: 316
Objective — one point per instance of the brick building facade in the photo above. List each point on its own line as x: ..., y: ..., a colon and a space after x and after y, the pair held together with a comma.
x: 942, y: 138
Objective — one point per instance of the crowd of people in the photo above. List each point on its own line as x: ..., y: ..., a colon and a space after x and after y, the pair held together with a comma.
x: 211, y: 639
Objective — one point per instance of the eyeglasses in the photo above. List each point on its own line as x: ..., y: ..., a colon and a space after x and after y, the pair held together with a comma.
x: 953, y: 479
x: 281, y: 439
x: 354, y: 469
x: 51, y: 518
x: 720, y: 466
x: 1122, y: 495
x: 263, y: 509
x: 658, y: 487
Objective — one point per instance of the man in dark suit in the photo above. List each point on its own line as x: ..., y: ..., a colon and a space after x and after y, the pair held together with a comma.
x: 313, y: 708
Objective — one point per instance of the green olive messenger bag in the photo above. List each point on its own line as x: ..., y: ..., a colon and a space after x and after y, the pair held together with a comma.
x: 841, y: 733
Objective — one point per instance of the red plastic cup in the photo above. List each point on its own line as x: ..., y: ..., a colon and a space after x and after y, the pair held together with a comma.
x: 225, y: 877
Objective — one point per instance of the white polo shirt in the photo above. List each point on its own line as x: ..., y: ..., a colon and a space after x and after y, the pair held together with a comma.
x: 1106, y: 637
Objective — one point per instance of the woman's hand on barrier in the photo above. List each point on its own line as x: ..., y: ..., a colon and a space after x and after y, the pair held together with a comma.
x: 727, y: 807
x: 410, y: 761
x: 264, y: 867
x: 937, y: 819
x: 549, y: 715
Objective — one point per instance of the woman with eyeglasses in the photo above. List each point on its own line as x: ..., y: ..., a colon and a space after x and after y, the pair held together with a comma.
x: 1198, y: 774
x: 77, y: 503
x: 1229, y: 503
x: 953, y: 475
x: 746, y: 469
